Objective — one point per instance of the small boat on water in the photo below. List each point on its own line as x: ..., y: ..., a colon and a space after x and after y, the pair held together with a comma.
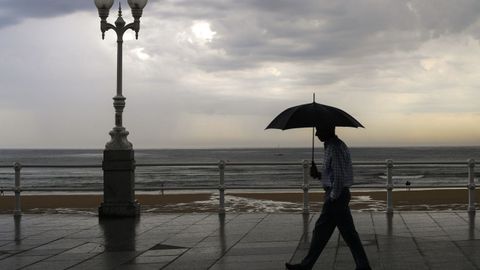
x: 278, y: 153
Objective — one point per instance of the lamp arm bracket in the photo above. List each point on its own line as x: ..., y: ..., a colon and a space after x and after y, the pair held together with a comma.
x: 105, y: 26
x: 129, y: 26
x: 135, y: 26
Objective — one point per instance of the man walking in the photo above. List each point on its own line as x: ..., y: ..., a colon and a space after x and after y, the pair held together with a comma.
x: 336, y: 179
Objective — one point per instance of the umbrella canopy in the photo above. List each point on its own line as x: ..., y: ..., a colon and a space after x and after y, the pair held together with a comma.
x: 313, y: 115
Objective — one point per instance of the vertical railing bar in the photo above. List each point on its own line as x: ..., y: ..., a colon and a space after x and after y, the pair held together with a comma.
x: 18, y: 208
x: 389, y: 186
x: 305, y: 187
x: 221, y: 187
x: 471, y: 186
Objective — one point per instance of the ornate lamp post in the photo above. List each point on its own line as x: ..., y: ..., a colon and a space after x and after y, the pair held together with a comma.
x: 118, y: 156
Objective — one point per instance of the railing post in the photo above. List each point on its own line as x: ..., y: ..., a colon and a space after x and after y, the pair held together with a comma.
x: 305, y: 187
x: 221, y: 187
x: 389, y: 186
x: 471, y: 186
x: 18, y: 208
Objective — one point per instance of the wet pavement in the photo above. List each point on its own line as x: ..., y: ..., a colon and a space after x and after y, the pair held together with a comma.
x: 406, y: 240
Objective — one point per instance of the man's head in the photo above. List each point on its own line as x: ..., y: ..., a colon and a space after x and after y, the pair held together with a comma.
x: 325, y: 132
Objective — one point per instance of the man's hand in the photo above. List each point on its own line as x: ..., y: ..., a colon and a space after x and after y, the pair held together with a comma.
x: 314, y: 173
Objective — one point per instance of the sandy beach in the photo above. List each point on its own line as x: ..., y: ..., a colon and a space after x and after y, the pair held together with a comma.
x: 288, y: 201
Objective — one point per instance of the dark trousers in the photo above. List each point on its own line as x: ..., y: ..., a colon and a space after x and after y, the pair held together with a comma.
x: 336, y: 214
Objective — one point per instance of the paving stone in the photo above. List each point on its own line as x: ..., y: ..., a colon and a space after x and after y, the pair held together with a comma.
x: 16, y: 262
x: 51, y: 265
x: 143, y: 266
x: 153, y: 259
x: 106, y: 260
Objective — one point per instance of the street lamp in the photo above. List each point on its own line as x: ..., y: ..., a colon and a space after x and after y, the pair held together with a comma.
x: 118, y: 156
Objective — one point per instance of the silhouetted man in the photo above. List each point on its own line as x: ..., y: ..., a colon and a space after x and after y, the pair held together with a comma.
x: 336, y: 180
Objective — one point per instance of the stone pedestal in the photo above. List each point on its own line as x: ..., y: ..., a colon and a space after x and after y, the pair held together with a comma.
x: 119, y: 185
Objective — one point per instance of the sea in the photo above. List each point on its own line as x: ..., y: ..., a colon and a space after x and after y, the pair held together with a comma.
x: 207, y: 176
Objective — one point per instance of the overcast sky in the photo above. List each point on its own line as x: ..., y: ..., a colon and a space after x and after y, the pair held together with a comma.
x: 214, y: 73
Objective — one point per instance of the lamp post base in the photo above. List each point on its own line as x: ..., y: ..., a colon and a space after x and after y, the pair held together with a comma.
x: 119, y: 209
x: 119, y: 184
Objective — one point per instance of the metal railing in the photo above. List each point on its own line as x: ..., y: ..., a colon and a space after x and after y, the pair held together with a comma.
x: 389, y: 166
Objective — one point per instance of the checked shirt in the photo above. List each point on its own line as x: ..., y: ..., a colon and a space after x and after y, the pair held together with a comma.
x: 337, y: 167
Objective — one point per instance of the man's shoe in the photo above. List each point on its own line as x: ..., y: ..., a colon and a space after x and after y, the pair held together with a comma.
x: 294, y: 266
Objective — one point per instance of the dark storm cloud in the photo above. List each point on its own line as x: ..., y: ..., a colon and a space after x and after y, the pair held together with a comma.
x: 302, y: 31
x: 15, y: 11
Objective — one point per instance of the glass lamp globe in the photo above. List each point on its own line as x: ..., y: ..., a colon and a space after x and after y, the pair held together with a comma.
x: 137, y: 4
x: 104, y: 4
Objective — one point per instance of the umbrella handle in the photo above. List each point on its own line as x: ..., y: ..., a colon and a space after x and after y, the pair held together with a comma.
x: 313, y: 135
x: 313, y: 143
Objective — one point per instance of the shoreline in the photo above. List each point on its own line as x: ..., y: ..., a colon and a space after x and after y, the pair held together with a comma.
x: 246, y: 201
x: 256, y: 201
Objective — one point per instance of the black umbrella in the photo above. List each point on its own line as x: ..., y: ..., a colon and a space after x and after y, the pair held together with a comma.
x: 313, y: 115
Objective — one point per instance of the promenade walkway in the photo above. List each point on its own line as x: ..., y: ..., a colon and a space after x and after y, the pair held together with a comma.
x: 406, y: 240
